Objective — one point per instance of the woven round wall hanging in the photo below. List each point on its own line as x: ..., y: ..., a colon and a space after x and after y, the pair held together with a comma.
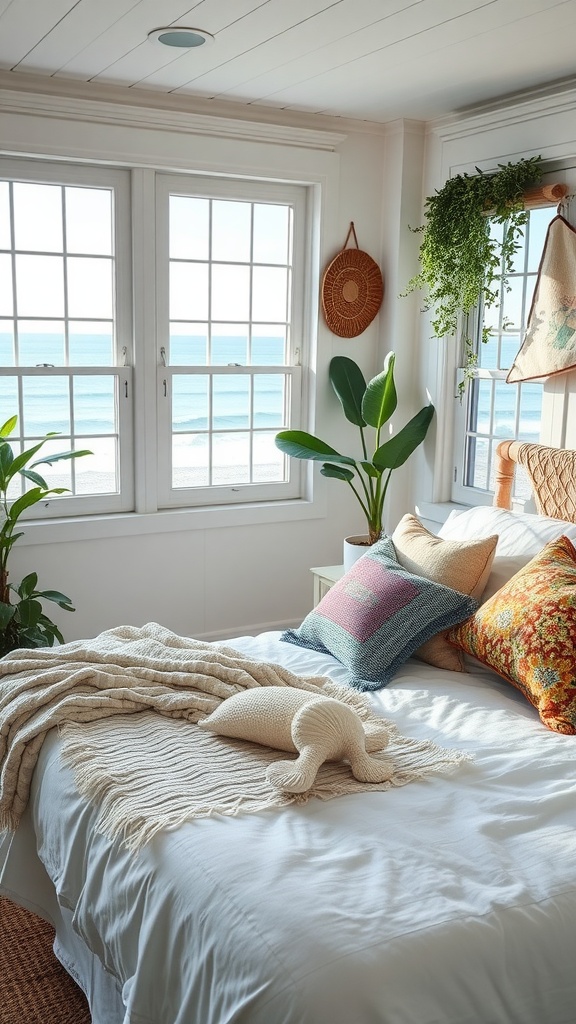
x: 352, y: 290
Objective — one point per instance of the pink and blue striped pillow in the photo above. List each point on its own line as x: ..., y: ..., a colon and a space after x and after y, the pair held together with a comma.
x: 377, y: 615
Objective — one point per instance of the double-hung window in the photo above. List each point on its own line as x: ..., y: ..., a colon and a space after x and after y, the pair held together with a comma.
x: 227, y: 262
x: 492, y: 410
x: 65, y: 327
x: 230, y: 259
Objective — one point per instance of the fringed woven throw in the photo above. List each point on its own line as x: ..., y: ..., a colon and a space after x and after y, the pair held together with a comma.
x: 126, y: 703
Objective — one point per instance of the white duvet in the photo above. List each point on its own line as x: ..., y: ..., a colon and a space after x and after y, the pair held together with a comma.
x: 448, y: 901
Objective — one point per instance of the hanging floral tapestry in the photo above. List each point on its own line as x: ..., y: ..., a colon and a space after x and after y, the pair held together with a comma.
x: 549, y: 345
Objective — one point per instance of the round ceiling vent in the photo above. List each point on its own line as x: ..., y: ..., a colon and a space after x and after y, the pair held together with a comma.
x: 180, y: 38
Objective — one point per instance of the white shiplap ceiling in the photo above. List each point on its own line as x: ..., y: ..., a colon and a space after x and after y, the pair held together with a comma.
x: 376, y: 60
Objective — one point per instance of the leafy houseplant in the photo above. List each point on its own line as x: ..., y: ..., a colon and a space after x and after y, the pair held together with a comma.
x: 461, y: 261
x: 365, y: 405
x: 23, y: 622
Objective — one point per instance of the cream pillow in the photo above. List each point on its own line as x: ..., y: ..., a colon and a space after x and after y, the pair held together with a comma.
x: 521, y: 535
x: 463, y: 565
x: 318, y: 728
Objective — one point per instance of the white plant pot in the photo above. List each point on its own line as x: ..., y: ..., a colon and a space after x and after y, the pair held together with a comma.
x: 354, y: 548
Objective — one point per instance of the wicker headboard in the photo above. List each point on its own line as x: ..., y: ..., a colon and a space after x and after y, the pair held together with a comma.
x: 552, y: 473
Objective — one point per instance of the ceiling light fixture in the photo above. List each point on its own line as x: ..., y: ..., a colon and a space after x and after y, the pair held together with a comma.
x: 180, y: 38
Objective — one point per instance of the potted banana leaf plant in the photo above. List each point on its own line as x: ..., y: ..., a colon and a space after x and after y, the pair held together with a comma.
x: 23, y: 622
x: 366, y: 405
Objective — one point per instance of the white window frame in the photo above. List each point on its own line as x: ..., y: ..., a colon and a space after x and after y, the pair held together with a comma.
x: 141, y: 244
x: 258, y: 192
x: 460, y: 492
x: 40, y: 171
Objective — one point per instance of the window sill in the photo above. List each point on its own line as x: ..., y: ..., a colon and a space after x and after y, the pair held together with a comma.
x: 132, y: 524
x: 438, y: 511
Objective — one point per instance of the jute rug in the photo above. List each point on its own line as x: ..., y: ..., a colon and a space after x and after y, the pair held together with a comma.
x: 34, y: 987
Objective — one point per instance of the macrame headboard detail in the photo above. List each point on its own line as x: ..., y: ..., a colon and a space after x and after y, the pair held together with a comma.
x: 552, y: 473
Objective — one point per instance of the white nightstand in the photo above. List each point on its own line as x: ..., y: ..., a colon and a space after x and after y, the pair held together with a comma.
x: 325, y: 576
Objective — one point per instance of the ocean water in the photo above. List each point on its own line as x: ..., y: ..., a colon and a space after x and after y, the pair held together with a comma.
x: 46, y: 405
x: 516, y: 412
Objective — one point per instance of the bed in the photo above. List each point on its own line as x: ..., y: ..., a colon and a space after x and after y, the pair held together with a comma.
x: 447, y: 900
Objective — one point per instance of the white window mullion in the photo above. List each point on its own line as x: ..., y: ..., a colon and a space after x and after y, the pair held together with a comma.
x: 210, y: 431
x: 13, y: 266
x: 150, y: 296
x: 251, y: 421
x: 164, y: 405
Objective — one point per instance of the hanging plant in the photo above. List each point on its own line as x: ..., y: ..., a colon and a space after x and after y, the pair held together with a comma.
x: 461, y: 261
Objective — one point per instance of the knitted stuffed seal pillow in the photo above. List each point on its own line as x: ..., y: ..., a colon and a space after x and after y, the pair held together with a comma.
x: 318, y: 728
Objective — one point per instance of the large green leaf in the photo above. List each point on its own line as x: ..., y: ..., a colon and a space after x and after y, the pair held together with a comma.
x: 27, y: 585
x: 57, y: 598
x: 8, y: 539
x: 337, y: 472
x: 22, y: 459
x: 400, y: 447
x: 371, y: 470
x: 50, y: 631
x: 6, y: 613
x: 49, y: 459
x: 8, y: 427
x: 34, y: 478
x: 301, y: 445
x: 6, y: 461
x: 380, y: 400
x: 29, y: 612
x: 31, y: 497
x: 348, y: 382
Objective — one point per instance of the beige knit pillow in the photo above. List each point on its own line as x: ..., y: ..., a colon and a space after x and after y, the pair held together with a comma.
x: 463, y: 565
x: 318, y: 728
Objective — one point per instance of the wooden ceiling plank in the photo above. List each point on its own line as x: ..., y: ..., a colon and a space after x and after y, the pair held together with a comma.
x: 85, y: 23
x: 426, y: 95
x: 24, y: 23
x: 366, y: 64
x: 351, y: 43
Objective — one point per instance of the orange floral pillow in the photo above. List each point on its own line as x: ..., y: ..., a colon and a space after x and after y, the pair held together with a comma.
x: 526, y: 633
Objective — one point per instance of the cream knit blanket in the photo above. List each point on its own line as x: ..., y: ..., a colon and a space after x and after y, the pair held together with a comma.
x: 125, y: 703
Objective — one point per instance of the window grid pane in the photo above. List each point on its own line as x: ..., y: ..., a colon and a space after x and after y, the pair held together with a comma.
x: 236, y: 291
x: 83, y: 410
x: 57, y: 247
x: 496, y: 410
x: 224, y: 425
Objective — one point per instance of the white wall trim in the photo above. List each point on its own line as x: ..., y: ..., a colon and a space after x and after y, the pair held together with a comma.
x: 527, y: 108
x: 133, y: 524
x: 127, y: 115
x: 217, y: 636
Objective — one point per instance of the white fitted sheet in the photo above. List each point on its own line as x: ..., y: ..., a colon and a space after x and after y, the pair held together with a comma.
x: 451, y: 900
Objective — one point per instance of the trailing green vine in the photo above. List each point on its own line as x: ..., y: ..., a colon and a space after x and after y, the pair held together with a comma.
x: 461, y: 261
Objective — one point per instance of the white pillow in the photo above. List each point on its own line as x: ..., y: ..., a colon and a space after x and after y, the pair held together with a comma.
x: 521, y: 535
